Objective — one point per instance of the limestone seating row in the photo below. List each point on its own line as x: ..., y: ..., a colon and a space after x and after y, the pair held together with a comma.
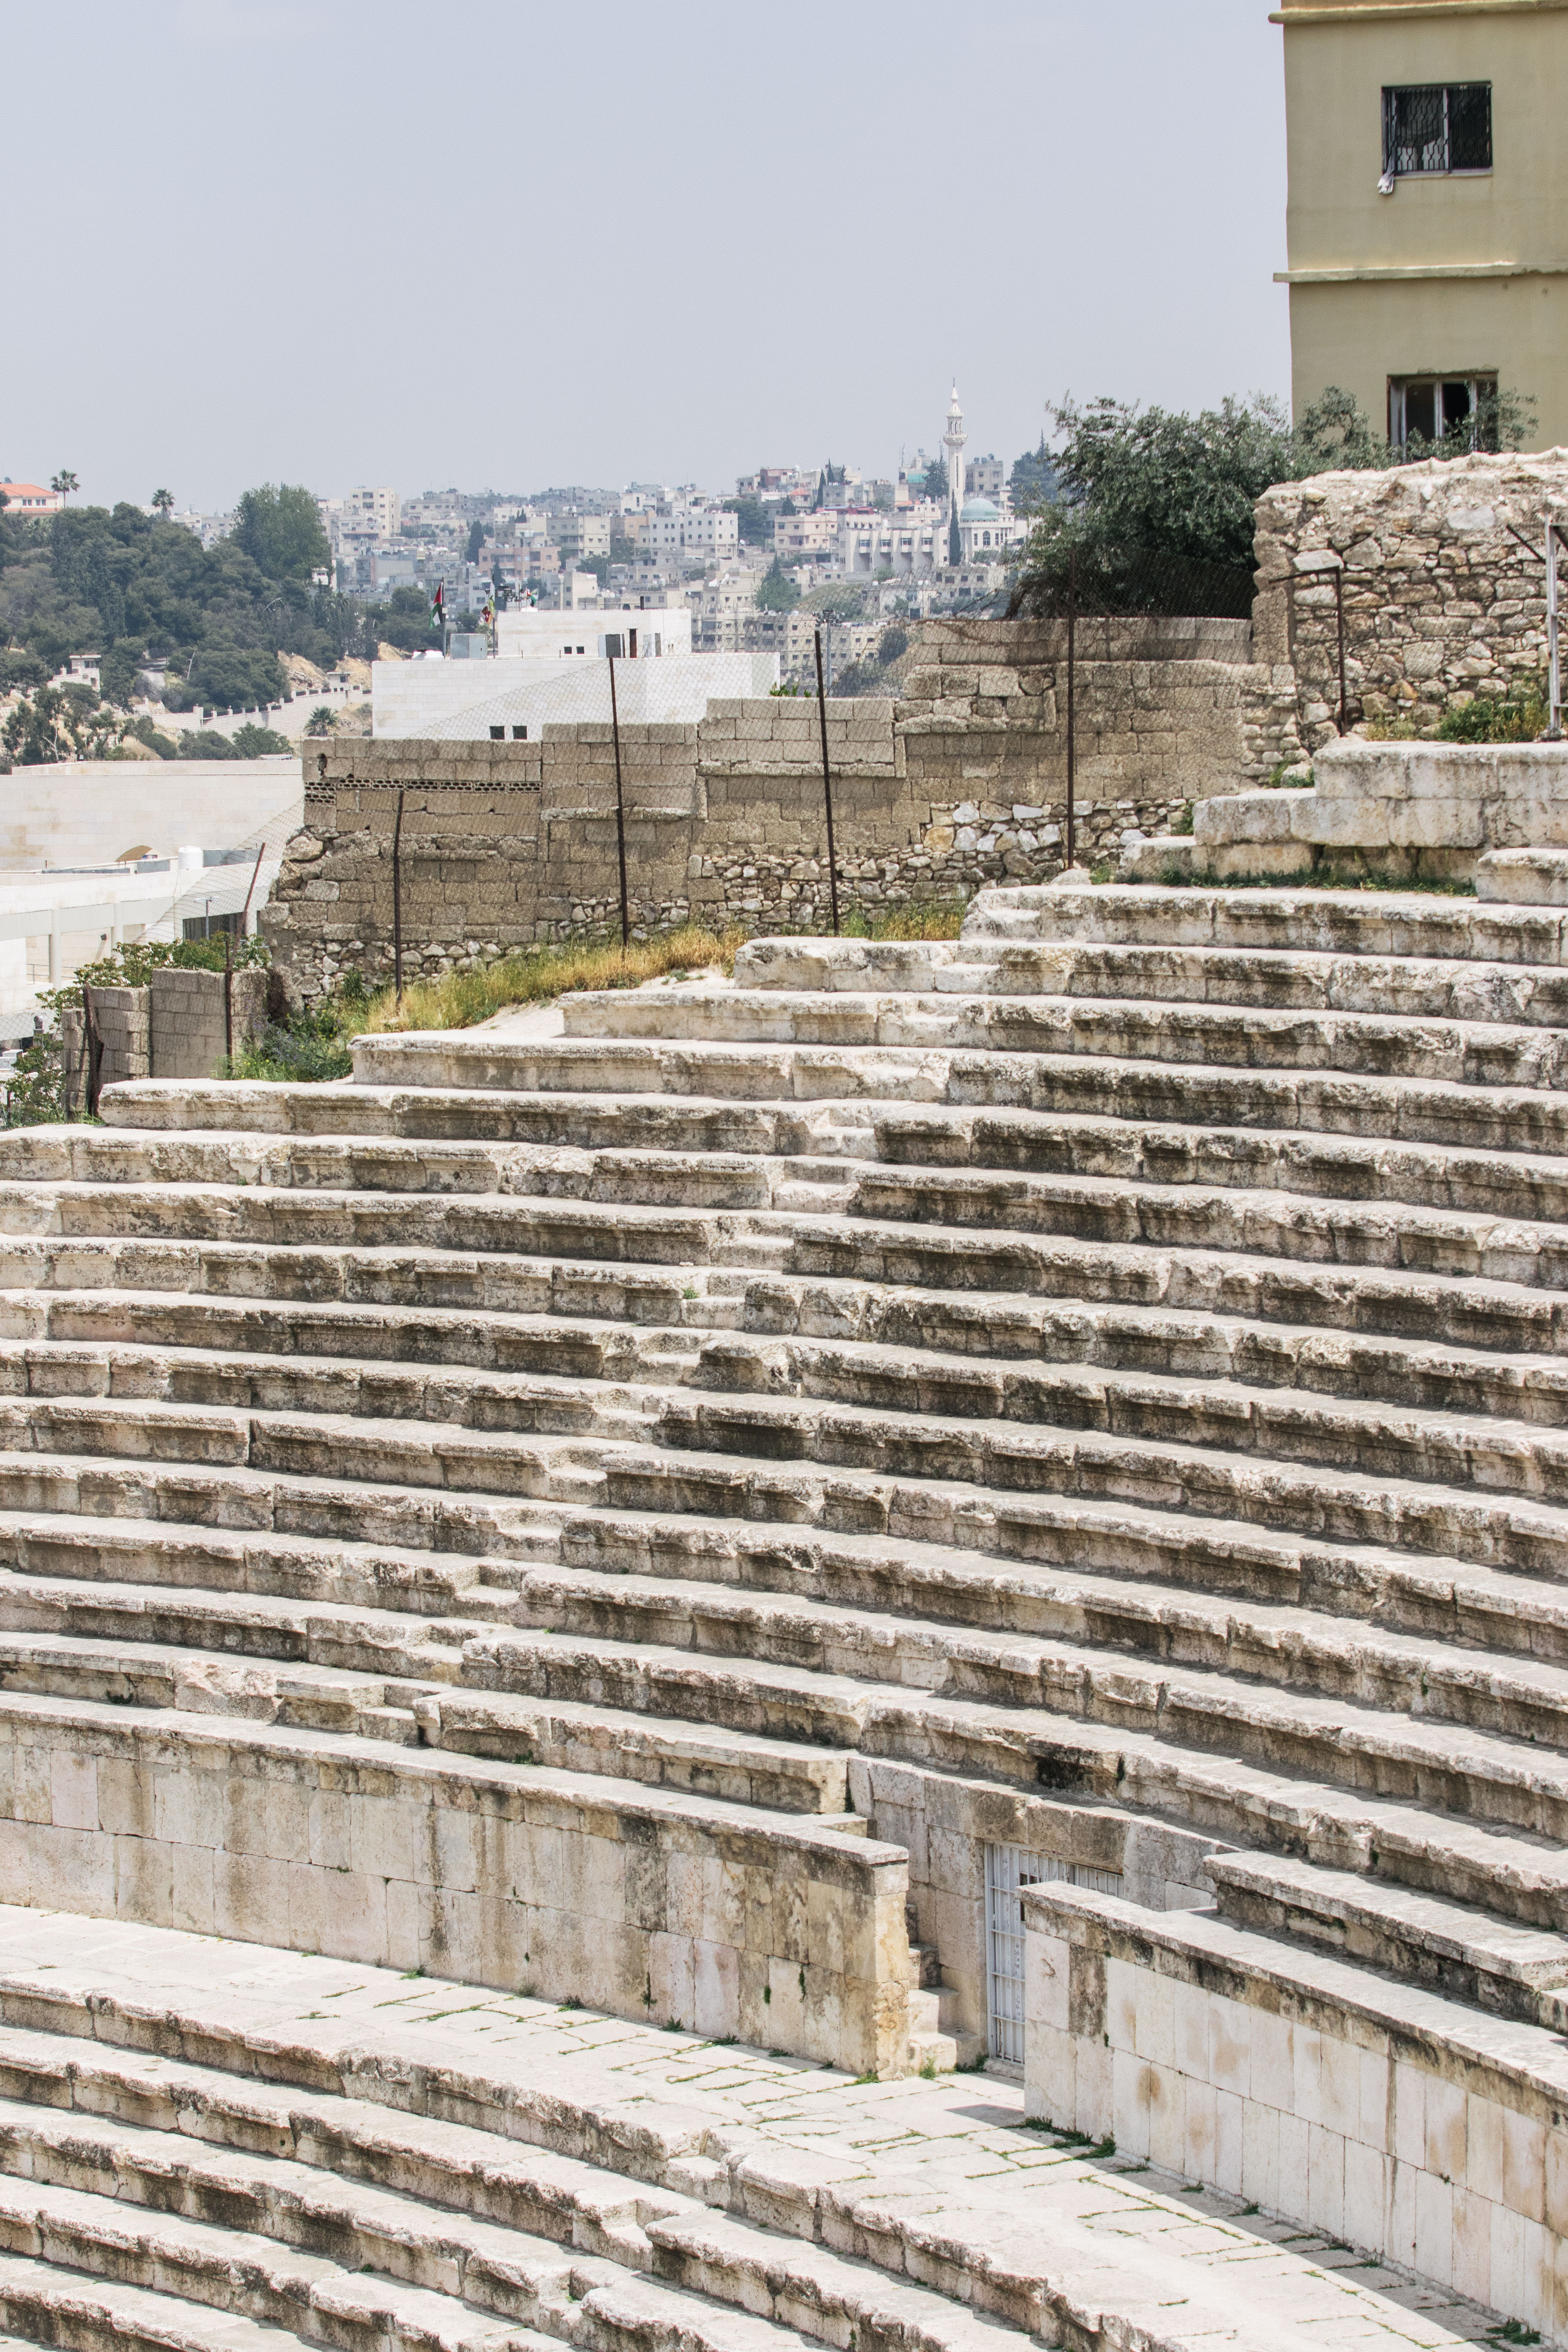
x: 1513, y: 1970
x: 153, y: 2276
x: 202, y: 1554
x: 1475, y: 1115
x: 1262, y: 1224
x: 389, y: 2180
x: 61, y: 1286
x: 1424, y: 987
x: 1378, y: 1044
x: 1336, y: 1417
x: 1326, y: 922
x: 1108, y: 1152
x: 1340, y: 1167
x: 927, y: 1350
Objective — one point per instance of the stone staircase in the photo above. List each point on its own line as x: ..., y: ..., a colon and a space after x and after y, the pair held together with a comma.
x: 650, y: 1513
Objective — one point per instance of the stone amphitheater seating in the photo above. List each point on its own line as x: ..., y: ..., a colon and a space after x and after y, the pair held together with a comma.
x: 669, y: 1517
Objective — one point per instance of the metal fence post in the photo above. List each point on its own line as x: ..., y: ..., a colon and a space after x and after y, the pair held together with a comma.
x: 1340, y: 619
x: 1554, y: 722
x: 1072, y: 682
x: 92, y: 1043
x: 620, y: 805
x: 255, y: 873
x: 397, y: 899
x: 827, y: 786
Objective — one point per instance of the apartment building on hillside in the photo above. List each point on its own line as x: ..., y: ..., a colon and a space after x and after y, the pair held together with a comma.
x: 1427, y: 227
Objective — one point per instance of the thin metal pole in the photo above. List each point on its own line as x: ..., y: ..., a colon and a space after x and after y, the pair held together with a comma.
x: 620, y: 806
x: 1072, y: 683
x: 1554, y: 724
x: 397, y: 900
x: 92, y: 1042
x: 1339, y: 617
x: 826, y: 785
x: 254, y: 872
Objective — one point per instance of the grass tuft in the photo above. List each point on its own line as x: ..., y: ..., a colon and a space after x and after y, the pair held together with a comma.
x: 456, y: 1000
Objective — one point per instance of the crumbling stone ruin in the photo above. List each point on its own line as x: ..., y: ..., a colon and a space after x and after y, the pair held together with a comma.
x: 1441, y: 600
x: 588, y: 1617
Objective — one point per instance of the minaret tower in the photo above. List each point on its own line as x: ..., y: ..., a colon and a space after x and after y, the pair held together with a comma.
x: 952, y: 441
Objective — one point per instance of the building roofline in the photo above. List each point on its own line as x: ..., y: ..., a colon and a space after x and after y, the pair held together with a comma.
x: 1399, y: 272
x: 1347, y: 12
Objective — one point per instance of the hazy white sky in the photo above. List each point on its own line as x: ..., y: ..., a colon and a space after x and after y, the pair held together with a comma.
x: 503, y: 244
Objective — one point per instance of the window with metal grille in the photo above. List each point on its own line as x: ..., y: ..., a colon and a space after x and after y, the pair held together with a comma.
x: 1008, y: 1869
x: 1443, y: 408
x: 1437, y: 127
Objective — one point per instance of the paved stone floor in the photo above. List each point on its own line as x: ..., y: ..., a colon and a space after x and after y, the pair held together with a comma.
x: 955, y: 2147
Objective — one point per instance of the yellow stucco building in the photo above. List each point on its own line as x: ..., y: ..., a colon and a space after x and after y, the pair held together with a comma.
x: 1429, y: 209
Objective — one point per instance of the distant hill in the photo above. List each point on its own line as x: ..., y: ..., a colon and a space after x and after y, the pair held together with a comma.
x: 117, y: 584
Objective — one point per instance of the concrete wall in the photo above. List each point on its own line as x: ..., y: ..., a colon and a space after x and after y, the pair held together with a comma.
x: 175, y: 1027
x: 960, y: 784
x: 1380, y: 284
x: 774, y: 1931
x: 90, y: 812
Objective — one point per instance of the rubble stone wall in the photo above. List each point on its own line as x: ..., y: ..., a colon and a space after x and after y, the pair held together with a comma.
x: 1441, y: 602
x: 962, y: 783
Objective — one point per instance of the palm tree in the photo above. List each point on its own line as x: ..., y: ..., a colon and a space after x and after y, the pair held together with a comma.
x: 63, y: 484
x: 164, y: 503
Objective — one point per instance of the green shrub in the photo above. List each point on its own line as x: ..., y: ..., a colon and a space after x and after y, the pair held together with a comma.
x: 1520, y: 718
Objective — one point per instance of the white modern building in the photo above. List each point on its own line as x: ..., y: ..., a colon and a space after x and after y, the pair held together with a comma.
x: 514, y: 701
x: 649, y: 634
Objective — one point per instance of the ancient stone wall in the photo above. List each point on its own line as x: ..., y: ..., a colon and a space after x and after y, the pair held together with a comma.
x: 962, y: 783
x: 1441, y: 600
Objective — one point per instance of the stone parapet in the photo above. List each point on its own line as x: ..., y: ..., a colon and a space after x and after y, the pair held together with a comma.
x: 1374, y: 2111
x: 757, y: 1926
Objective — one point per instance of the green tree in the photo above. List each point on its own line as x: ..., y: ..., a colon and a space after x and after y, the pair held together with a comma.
x: 278, y: 526
x: 1034, y: 480
x: 252, y: 742
x: 63, y: 484
x: 840, y: 600
x: 141, y: 730
x: 776, y: 590
x: 477, y: 537
x: 206, y: 743
x: 163, y: 504
x: 936, y: 479
x: 321, y: 721
x: 755, y: 523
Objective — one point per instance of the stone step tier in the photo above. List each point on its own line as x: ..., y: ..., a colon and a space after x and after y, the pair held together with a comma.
x: 654, y: 1514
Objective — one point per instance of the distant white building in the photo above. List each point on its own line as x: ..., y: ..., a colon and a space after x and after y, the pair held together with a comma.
x: 514, y: 701
x: 530, y: 634
x: 372, y: 514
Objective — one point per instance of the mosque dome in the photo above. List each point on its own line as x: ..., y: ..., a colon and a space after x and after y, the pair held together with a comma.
x: 980, y: 510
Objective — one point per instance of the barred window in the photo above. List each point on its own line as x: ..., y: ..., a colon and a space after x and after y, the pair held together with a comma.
x: 1437, y: 127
